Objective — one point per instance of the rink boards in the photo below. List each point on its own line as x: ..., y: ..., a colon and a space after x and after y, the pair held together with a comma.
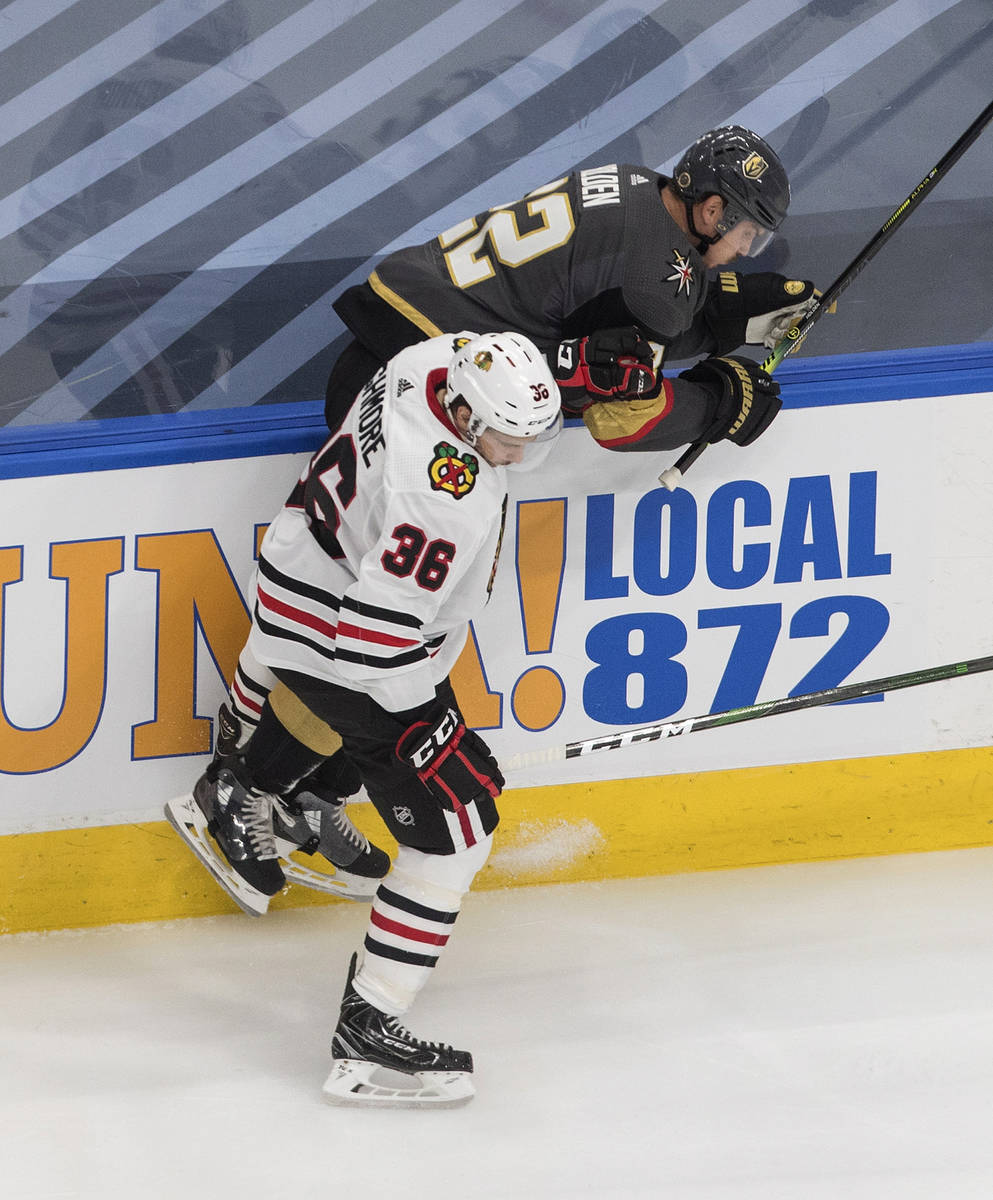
x: 853, y: 542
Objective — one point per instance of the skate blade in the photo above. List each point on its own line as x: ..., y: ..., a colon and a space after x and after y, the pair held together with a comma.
x: 186, y: 817
x: 341, y: 884
x: 356, y: 1082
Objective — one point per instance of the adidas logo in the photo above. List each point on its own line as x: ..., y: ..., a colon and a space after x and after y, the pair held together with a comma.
x: 636, y: 179
x: 403, y: 385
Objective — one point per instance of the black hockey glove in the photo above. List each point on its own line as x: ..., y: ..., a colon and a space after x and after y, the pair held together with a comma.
x: 611, y: 364
x: 756, y: 309
x: 451, y: 760
x: 745, y: 398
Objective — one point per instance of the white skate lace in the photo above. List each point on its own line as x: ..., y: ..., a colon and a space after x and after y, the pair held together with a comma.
x: 394, y: 1026
x: 347, y: 830
x: 257, y: 819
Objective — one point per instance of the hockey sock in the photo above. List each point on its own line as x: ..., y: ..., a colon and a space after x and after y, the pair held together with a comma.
x: 251, y: 685
x: 411, y: 921
x: 275, y: 758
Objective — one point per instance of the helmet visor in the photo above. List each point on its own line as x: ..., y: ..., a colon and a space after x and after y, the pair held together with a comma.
x: 538, y: 448
x: 750, y: 237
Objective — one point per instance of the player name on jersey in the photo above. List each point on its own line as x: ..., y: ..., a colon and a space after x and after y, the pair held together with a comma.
x: 370, y: 423
x: 600, y: 185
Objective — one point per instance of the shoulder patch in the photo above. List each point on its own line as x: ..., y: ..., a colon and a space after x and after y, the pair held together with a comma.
x: 682, y: 273
x: 451, y: 472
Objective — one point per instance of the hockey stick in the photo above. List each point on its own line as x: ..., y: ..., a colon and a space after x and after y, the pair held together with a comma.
x: 670, y: 478
x: 749, y: 712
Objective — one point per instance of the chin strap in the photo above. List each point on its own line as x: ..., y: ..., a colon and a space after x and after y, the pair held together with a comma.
x: 704, y: 239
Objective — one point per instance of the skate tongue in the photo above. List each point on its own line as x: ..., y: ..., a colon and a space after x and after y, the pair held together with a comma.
x: 357, y: 1082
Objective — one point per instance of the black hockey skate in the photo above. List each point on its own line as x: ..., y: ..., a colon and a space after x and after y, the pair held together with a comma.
x: 313, y: 820
x: 227, y: 823
x: 317, y: 824
x: 376, y: 1061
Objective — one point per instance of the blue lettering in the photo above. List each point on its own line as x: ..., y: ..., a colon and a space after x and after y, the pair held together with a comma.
x: 648, y: 541
x: 868, y: 621
x: 756, y: 508
x: 601, y: 582
x: 641, y: 647
x: 808, y: 500
x: 862, y: 556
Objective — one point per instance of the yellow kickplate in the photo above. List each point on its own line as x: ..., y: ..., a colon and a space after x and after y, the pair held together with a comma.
x: 614, y: 829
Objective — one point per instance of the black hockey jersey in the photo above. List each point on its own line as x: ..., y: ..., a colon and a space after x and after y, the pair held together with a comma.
x: 593, y: 250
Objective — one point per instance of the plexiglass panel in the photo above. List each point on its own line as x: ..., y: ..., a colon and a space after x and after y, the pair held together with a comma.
x: 189, y: 184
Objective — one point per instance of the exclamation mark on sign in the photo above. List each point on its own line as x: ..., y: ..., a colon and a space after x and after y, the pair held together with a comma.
x: 539, y: 695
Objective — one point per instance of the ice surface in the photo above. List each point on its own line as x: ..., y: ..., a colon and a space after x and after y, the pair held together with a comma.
x: 808, y: 1032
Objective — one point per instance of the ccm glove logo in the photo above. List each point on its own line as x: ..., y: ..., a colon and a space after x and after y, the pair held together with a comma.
x: 437, y: 739
x: 453, y: 762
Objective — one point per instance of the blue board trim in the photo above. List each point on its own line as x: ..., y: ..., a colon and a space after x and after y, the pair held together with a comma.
x: 162, y: 439
x: 294, y: 428
x: 894, y: 375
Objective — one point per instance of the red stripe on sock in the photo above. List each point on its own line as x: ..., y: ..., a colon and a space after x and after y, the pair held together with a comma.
x: 407, y: 931
x: 245, y: 700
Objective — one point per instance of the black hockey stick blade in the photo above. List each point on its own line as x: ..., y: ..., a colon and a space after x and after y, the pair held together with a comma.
x: 749, y: 712
x: 670, y: 478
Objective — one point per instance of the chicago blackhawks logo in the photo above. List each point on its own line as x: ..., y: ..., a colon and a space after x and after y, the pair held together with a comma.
x: 682, y: 273
x: 451, y: 472
x: 483, y: 360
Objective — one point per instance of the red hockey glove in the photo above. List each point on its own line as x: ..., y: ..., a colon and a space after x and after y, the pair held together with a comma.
x: 611, y: 364
x: 452, y: 761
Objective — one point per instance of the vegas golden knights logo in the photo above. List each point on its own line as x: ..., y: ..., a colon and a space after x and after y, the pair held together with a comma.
x: 451, y: 472
x: 754, y: 166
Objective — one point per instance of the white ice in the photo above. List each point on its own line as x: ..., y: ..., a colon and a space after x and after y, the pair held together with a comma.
x: 809, y: 1032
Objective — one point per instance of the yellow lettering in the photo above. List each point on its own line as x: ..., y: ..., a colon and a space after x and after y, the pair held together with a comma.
x: 86, y: 567
x: 480, y: 707
x: 196, y: 592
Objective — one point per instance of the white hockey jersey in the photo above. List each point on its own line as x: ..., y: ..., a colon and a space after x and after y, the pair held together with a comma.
x: 387, y: 547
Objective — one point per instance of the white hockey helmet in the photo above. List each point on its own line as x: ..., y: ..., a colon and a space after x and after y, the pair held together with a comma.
x: 507, y: 383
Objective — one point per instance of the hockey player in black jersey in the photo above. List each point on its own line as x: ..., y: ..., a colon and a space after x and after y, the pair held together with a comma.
x: 606, y: 270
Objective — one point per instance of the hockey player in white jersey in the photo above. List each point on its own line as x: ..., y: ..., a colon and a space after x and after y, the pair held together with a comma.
x: 368, y: 577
